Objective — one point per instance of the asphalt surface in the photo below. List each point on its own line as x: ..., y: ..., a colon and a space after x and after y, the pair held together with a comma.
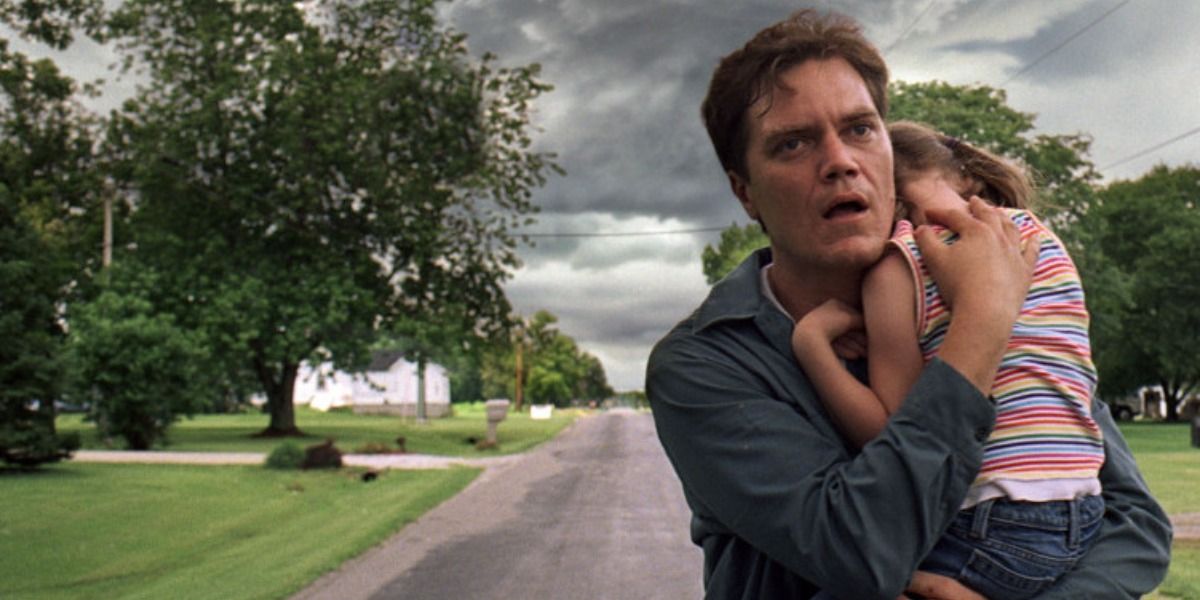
x: 595, y: 513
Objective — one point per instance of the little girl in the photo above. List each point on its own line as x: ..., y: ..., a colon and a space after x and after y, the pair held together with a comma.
x: 1035, y: 505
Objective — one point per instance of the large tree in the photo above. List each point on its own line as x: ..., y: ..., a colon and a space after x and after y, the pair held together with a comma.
x: 977, y: 114
x: 46, y: 180
x: 1149, y: 232
x: 980, y: 114
x: 306, y: 172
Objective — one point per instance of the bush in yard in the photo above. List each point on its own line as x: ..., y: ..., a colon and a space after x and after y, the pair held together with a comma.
x: 287, y: 455
x: 135, y: 367
x: 322, y: 456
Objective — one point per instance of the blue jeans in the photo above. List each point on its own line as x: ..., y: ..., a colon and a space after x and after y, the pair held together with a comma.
x: 1009, y: 550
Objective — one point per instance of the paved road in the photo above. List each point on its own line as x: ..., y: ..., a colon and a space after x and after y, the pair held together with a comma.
x: 595, y: 513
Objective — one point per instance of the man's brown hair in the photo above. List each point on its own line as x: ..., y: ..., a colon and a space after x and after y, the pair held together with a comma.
x: 751, y: 73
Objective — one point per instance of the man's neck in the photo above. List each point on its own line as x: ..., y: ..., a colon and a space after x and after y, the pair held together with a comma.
x: 801, y: 290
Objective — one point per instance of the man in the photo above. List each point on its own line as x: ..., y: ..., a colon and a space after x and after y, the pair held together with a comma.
x: 782, y: 507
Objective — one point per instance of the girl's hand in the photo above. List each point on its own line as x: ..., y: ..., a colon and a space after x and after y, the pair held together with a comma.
x: 832, y: 324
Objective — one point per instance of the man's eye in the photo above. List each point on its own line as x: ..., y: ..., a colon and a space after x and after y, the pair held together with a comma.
x: 790, y: 145
x: 861, y: 130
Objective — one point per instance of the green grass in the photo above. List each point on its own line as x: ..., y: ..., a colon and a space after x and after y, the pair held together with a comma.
x: 138, y: 531
x: 448, y: 436
x: 1172, y: 469
x: 1183, y: 581
x: 1168, y: 461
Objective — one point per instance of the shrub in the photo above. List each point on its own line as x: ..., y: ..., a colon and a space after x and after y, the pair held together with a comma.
x: 322, y: 456
x: 287, y: 455
x: 135, y: 366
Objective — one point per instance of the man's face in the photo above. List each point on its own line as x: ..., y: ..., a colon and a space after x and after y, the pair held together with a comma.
x: 820, y: 169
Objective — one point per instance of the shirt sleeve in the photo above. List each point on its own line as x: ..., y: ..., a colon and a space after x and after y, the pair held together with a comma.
x: 767, y: 466
x: 1131, y: 556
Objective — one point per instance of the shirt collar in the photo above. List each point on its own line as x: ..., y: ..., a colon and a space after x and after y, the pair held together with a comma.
x: 740, y: 295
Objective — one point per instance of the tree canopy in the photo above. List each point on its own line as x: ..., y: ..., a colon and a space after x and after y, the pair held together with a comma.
x: 305, y: 173
x: 1148, y: 230
x: 554, y: 369
x: 47, y: 178
x: 1135, y: 242
x: 979, y: 115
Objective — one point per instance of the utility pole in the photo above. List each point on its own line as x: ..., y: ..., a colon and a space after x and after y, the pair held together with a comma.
x: 519, y: 392
x: 421, y: 417
x: 106, y: 248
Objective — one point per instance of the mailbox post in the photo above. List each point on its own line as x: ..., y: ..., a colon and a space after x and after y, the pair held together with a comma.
x: 497, y: 410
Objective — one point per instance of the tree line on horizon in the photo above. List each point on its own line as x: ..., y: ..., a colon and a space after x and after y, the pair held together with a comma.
x: 1136, y: 242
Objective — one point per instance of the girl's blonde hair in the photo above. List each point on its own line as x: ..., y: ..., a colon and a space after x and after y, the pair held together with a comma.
x: 919, y: 149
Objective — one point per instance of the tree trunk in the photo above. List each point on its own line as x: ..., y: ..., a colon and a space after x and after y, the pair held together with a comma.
x: 518, y: 388
x: 280, y: 404
x: 1172, y: 399
x: 421, y: 416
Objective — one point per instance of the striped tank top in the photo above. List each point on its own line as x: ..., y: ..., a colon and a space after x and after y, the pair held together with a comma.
x: 1045, y: 445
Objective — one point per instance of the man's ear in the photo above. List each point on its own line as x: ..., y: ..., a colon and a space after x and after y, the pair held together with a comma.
x: 740, y: 188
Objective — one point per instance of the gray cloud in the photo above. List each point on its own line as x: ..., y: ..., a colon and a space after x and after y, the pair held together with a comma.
x: 629, y: 76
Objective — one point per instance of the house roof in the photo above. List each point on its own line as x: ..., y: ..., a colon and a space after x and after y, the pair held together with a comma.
x: 382, y: 360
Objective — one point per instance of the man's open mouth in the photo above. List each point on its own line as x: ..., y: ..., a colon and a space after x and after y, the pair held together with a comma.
x: 848, y: 206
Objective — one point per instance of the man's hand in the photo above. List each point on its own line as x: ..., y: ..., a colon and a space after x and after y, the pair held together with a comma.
x: 984, y: 278
x: 986, y: 272
x: 939, y: 587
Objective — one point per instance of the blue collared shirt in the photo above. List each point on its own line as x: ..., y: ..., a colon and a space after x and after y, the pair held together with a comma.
x: 783, y: 507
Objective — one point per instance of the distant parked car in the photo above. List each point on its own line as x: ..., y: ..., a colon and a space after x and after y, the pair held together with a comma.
x: 1126, y: 407
x: 62, y: 407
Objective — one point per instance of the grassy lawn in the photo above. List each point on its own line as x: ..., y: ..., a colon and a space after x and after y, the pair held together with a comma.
x: 134, y: 531
x: 138, y: 531
x: 1172, y: 469
x: 235, y: 433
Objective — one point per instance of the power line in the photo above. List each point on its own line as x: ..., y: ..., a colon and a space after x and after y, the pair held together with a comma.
x: 1064, y: 42
x: 602, y: 234
x: 904, y: 33
x: 1157, y: 146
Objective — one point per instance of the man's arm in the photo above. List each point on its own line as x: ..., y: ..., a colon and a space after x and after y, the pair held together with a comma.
x: 1131, y: 556
x: 771, y: 470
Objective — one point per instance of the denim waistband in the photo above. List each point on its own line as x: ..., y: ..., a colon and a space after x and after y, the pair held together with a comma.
x: 1058, y: 515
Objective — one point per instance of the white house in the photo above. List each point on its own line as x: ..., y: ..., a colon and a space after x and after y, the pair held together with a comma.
x: 388, y: 386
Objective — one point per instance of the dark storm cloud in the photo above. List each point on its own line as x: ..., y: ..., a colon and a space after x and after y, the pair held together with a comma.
x: 623, y: 119
x: 631, y: 76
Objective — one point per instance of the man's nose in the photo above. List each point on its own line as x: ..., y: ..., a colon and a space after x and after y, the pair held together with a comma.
x: 838, y: 159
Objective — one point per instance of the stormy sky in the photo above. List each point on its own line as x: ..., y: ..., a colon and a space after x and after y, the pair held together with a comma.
x: 623, y: 118
x: 629, y: 76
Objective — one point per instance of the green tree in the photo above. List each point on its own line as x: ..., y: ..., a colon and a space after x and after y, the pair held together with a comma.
x: 136, y: 369
x: 977, y: 114
x: 736, y: 244
x: 980, y: 115
x: 307, y: 173
x: 1149, y: 231
x: 30, y: 366
x: 555, y: 370
x: 46, y: 178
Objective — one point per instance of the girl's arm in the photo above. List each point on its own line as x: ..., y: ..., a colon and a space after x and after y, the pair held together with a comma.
x: 894, y: 359
x: 861, y: 412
